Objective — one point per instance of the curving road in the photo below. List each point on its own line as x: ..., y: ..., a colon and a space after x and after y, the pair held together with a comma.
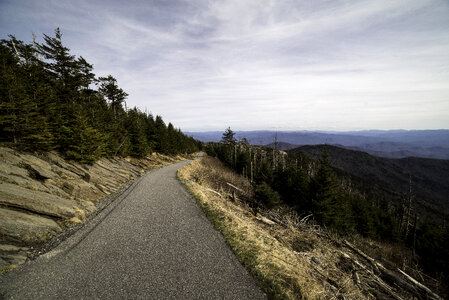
x: 153, y: 242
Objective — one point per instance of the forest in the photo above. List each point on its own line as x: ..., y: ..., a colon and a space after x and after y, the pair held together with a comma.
x: 314, y: 187
x: 52, y: 100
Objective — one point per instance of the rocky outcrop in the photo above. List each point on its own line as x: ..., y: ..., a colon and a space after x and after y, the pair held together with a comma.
x: 39, y: 202
x: 25, y: 229
x: 41, y: 194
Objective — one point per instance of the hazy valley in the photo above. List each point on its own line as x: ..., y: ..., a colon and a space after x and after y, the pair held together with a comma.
x: 390, y: 143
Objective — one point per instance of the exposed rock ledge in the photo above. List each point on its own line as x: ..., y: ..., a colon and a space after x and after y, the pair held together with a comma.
x: 41, y: 195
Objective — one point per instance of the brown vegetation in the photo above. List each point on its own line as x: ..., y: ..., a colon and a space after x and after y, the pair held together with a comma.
x: 289, y: 256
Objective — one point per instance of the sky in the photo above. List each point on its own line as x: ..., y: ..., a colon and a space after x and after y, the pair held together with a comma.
x: 260, y: 64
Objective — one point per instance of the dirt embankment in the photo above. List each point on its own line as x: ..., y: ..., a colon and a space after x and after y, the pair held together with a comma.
x: 43, y: 195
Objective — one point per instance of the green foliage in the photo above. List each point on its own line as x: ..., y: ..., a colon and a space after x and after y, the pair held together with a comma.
x: 329, y: 204
x: 21, y: 122
x: 228, y: 136
x: 266, y: 195
x: 48, y: 102
x: 84, y: 143
x: 110, y: 90
x: 432, y: 246
x: 293, y: 186
x: 363, y: 217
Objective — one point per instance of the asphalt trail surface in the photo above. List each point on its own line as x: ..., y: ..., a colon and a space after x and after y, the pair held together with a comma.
x: 153, y: 242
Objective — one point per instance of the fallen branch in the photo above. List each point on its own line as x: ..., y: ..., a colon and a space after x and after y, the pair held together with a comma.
x: 215, y: 192
x: 362, y: 254
x: 414, y: 287
x: 376, y: 279
x: 265, y: 220
x: 422, y: 287
x: 231, y: 185
x: 386, y: 288
x: 305, y: 219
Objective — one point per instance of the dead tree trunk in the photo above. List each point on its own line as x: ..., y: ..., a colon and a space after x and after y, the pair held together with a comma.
x: 409, y: 209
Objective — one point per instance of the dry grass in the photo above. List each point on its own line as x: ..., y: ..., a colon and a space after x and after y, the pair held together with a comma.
x: 288, y: 261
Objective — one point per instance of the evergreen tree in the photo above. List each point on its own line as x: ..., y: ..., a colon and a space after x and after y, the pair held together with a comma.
x: 161, y: 135
x: 266, y: 195
x: 61, y: 65
x: 116, y: 96
x: 363, y: 216
x: 48, y: 101
x: 85, y: 144
x: 328, y: 203
x: 136, y: 129
x: 21, y: 121
x: 228, y: 136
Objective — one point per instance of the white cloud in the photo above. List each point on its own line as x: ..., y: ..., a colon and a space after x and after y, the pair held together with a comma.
x: 204, y: 65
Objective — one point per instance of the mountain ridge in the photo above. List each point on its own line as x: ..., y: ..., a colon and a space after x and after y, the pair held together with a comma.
x: 391, y: 144
x: 428, y: 176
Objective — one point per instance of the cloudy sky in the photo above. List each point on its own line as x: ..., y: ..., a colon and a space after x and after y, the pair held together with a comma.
x: 261, y: 64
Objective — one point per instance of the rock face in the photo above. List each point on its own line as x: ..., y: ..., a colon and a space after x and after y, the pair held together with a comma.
x: 36, y: 201
x: 25, y: 229
x: 38, y: 193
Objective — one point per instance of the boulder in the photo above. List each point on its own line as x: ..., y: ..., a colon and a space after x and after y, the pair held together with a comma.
x: 88, y: 206
x: 68, y: 188
x: 103, y: 178
x: 28, y: 159
x: 25, y: 182
x: 9, y: 169
x: 25, y: 229
x: 11, y: 248
x: 87, y: 191
x: 117, y: 173
x: 49, y: 186
x: 39, y: 172
x: 54, y: 189
x: 64, y: 174
x: 36, y: 201
x: 82, y: 190
x: 70, y: 166
x: 9, y: 156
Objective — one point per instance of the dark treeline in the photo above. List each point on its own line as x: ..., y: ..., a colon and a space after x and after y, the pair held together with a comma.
x: 314, y: 187
x: 51, y: 99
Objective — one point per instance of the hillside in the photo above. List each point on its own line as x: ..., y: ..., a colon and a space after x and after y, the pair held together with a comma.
x: 289, y: 255
x: 429, y: 176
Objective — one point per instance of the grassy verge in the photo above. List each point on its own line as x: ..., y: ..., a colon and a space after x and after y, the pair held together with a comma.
x: 287, y: 263
x: 245, y: 251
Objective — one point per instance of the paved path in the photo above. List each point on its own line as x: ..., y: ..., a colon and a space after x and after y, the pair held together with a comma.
x: 153, y: 242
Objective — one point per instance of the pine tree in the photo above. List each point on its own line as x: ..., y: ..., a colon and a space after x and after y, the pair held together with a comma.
x: 61, y: 65
x: 228, y: 136
x: 21, y: 121
x: 136, y: 129
x: 162, y: 142
x: 328, y: 203
x: 86, y: 144
x: 48, y: 101
x: 116, y: 96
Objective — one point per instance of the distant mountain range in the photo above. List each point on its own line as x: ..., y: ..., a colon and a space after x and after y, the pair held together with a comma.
x: 430, y: 183
x: 389, y: 143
